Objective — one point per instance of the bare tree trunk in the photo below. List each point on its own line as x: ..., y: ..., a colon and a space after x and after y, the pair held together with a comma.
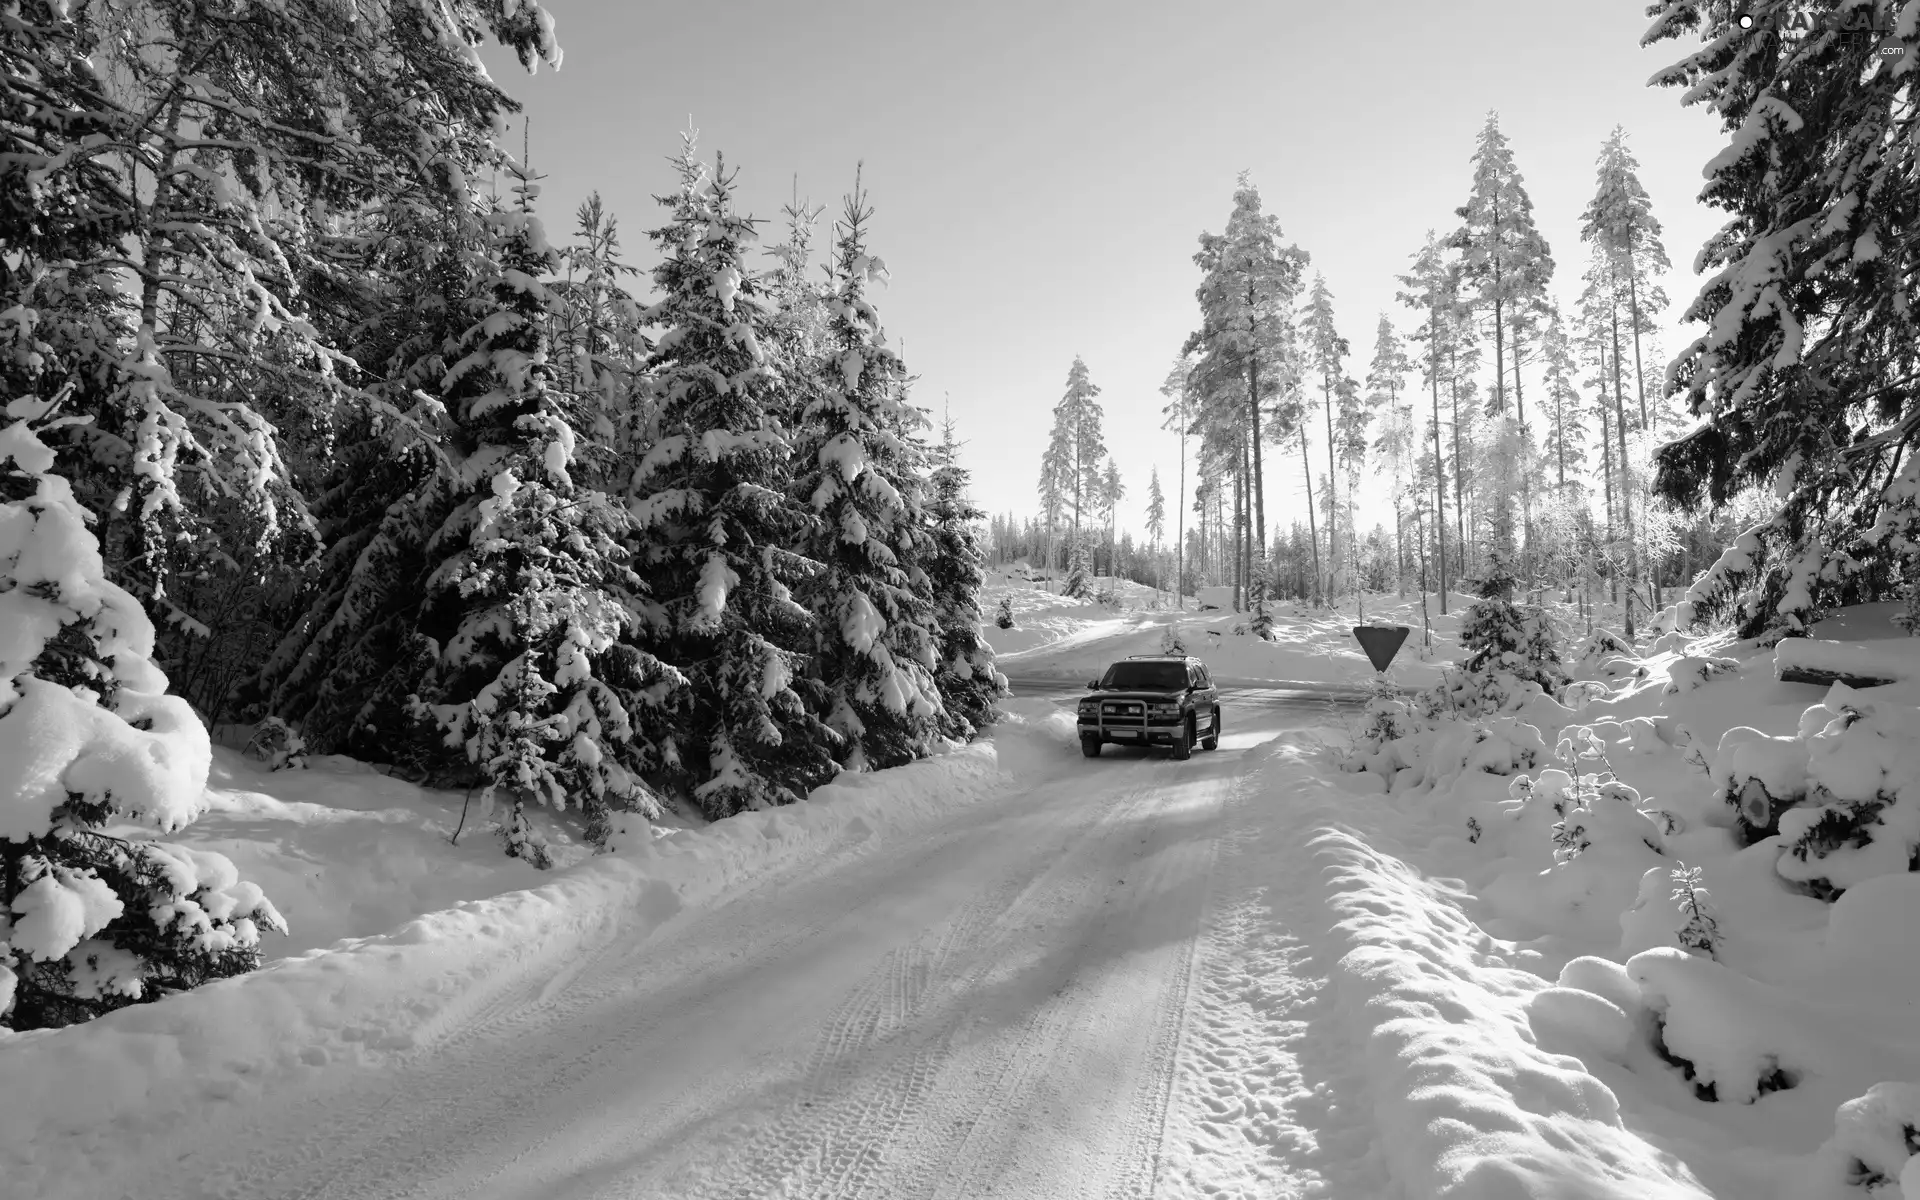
x: 1239, y: 536
x: 1259, y: 479
x: 1626, y: 484
x: 1333, y: 495
x: 1313, y: 535
x: 1180, y: 526
x: 1633, y: 307
x: 1439, y: 489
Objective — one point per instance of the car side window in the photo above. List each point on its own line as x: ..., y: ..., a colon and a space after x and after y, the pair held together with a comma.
x: 1196, y: 675
x: 1200, y: 669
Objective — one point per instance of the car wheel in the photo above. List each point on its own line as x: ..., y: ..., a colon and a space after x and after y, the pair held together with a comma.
x: 1090, y: 747
x: 1183, y: 745
x: 1212, y: 740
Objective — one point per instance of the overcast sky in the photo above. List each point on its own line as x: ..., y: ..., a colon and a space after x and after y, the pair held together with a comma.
x: 1041, y: 170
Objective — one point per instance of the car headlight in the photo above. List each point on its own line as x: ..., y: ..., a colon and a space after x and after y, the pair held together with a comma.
x: 1089, y: 707
x: 1163, y: 710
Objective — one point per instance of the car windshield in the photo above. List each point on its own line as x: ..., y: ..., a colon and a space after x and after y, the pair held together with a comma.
x: 1151, y: 676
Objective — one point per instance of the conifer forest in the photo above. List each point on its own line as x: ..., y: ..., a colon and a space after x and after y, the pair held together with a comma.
x: 514, y: 683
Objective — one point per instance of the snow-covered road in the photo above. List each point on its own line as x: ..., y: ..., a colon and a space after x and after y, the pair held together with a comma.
x: 1057, y: 992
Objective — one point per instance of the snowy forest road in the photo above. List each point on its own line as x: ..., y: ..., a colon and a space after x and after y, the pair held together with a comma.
x: 1009, y: 1004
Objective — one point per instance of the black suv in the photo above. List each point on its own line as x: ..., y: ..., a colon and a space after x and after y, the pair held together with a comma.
x: 1165, y: 699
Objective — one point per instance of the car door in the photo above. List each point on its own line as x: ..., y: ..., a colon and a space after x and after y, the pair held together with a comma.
x: 1203, y: 697
x: 1208, y: 694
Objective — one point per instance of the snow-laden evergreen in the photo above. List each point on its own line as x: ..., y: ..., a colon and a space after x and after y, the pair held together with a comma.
x: 970, y: 685
x: 91, y: 920
x: 1809, y: 346
x: 860, y: 464
x: 531, y: 595
x: 717, y: 520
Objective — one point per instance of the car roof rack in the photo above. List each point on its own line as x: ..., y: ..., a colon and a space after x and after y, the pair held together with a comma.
x: 1181, y: 657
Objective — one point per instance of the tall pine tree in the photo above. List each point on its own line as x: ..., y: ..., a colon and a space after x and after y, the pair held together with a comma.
x: 860, y: 461
x: 716, y: 521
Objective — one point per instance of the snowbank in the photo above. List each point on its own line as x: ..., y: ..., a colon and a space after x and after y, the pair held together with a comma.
x: 1466, y: 1104
x: 1470, y: 1107
x: 389, y: 996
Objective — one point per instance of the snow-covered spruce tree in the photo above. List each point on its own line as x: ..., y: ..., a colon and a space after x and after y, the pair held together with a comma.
x: 92, y: 921
x: 531, y: 608
x: 970, y: 685
x: 875, y: 635
x: 191, y: 183
x: 349, y: 654
x: 1808, y: 367
x: 716, y: 518
x: 1079, y: 583
x: 1510, y: 643
x: 1156, y: 525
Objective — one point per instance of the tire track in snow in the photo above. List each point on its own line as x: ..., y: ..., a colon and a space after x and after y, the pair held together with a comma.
x: 1068, y: 1102
x: 834, y: 1138
x: 1270, y: 1098
x: 452, y: 1097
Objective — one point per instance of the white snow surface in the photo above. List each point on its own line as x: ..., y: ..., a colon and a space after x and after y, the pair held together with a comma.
x: 1013, y: 971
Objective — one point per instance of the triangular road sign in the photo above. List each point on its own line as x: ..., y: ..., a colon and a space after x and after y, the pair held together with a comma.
x: 1381, y: 642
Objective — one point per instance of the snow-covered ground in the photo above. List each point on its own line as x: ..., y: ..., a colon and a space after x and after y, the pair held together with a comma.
x: 1058, y: 638
x: 1013, y: 971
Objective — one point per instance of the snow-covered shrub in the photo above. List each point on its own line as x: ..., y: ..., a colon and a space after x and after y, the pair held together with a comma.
x: 1861, y: 817
x: 1875, y: 1142
x: 1733, y: 1038
x: 1388, y: 717
x: 1173, y: 640
x: 1909, y: 616
x: 88, y: 736
x: 1575, y: 842
x: 275, y: 743
x: 1598, y: 646
x: 1699, y: 931
x: 1515, y: 649
x: 1003, y: 617
x: 1690, y: 672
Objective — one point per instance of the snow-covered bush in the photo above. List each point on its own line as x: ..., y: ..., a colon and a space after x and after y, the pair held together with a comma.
x: 1003, y: 617
x: 1574, y: 842
x: 89, y: 921
x: 1388, y: 717
x: 1733, y: 1038
x: 1515, y: 649
x: 1699, y: 932
x: 1843, y: 795
x: 1861, y: 817
x: 1875, y: 1142
x: 1173, y: 640
x: 1599, y: 645
x: 1690, y: 672
x: 275, y: 743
